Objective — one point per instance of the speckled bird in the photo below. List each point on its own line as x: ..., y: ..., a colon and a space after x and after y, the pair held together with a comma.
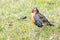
x: 39, y: 19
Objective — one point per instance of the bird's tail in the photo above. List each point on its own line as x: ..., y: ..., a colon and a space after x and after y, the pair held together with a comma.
x: 50, y: 24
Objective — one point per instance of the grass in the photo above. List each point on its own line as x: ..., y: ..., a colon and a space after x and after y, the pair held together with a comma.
x: 14, y: 28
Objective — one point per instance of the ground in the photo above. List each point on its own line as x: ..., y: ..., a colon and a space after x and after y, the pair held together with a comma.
x: 12, y: 27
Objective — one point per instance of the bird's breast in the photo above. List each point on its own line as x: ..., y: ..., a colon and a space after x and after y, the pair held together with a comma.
x: 32, y: 17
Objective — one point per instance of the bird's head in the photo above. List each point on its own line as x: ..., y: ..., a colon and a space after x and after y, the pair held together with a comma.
x: 35, y: 10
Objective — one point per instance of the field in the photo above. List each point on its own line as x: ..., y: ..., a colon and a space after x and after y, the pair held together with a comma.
x: 12, y: 27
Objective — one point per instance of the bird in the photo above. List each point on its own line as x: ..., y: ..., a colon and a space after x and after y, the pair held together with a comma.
x: 39, y: 19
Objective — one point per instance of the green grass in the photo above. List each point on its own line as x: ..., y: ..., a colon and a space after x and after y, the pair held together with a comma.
x: 13, y: 28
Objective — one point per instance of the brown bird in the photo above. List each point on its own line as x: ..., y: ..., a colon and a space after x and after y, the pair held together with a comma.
x: 39, y: 19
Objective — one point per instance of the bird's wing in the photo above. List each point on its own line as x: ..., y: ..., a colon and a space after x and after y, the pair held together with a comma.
x: 43, y: 19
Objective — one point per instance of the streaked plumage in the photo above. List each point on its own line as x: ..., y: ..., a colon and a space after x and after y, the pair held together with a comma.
x: 39, y: 19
